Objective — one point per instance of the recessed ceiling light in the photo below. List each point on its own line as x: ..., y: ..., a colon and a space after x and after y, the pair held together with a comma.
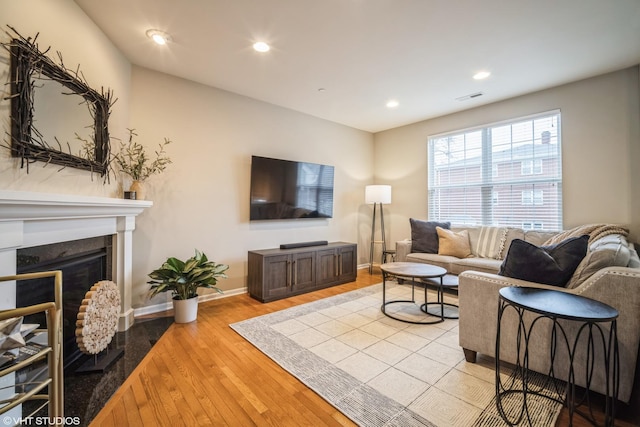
x: 159, y: 37
x: 261, y: 47
x: 481, y: 75
x: 392, y: 103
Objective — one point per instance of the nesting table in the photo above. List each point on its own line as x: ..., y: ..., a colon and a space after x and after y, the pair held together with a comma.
x: 418, y: 273
x: 595, y: 320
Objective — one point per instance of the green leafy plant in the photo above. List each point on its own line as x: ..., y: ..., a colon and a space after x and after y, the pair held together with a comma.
x: 183, y: 278
x: 133, y: 160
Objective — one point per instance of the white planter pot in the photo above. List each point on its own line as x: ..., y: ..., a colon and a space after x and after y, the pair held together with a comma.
x: 185, y: 310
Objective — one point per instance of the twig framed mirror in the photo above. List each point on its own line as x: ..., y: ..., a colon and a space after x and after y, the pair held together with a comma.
x: 56, y: 117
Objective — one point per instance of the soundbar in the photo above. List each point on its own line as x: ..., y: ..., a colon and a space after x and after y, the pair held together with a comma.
x: 303, y: 244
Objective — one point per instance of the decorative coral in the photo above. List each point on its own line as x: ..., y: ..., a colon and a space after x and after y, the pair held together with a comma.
x: 98, y: 317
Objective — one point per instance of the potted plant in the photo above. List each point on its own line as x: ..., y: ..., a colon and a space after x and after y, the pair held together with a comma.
x: 133, y: 160
x: 183, y: 278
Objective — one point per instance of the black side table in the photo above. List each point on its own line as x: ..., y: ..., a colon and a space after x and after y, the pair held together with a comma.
x: 391, y: 253
x: 555, y: 305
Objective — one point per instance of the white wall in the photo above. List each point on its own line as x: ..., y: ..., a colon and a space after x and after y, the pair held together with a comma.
x: 64, y: 27
x: 202, y: 199
x: 600, y: 137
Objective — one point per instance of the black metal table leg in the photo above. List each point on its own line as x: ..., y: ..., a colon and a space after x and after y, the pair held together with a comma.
x: 553, y: 306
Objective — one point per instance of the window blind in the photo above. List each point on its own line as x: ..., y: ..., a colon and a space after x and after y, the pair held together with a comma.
x: 503, y: 174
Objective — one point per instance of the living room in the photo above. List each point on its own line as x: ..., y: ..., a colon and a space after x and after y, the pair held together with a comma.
x: 202, y: 199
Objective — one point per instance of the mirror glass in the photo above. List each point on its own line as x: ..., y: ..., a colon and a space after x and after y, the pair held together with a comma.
x: 56, y: 117
x: 62, y: 117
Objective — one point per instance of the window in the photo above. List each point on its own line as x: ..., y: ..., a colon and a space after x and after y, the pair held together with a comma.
x: 531, y: 166
x: 532, y: 197
x: 532, y: 225
x: 517, y: 163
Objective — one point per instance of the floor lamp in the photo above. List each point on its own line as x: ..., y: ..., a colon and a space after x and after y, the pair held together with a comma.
x: 377, y: 195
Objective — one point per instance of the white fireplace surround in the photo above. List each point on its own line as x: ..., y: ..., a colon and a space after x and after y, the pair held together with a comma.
x: 29, y: 219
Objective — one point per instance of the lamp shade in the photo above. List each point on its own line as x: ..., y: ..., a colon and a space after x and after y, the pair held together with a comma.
x: 377, y: 194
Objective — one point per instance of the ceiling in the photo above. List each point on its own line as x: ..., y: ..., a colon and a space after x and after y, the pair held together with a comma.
x: 342, y: 60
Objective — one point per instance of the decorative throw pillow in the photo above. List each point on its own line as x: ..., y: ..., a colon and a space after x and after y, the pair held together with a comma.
x: 551, y: 265
x: 491, y: 242
x: 608, y: 251
x: 452, y: 243
x: 424, y: 237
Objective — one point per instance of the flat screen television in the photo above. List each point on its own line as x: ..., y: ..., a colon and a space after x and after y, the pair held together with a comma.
x: 284, y: 189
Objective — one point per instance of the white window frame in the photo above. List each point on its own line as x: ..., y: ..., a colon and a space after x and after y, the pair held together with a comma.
x: 531, y: 167
x: 463, y: 178
x: 532, y: 225
x: 532, y: 197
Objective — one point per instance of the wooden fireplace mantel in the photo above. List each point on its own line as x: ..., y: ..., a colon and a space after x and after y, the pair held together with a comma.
x: 30, y: 219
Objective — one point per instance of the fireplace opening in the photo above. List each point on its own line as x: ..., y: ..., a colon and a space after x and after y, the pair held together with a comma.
x: 83, y: 263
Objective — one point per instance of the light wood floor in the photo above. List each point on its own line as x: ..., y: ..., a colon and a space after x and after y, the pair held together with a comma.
x: 203, y: 373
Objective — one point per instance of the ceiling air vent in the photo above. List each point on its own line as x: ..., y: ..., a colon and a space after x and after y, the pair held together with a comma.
x: 470, y: 96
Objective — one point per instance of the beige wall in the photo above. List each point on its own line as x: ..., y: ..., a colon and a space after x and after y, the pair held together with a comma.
x: 64, y: 27
x: 202, y: 200
x: 601, y: 154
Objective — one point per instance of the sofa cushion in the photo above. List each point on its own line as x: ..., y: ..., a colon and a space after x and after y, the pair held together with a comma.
x: 424, y: 237
x: 512, y: 234
x: 443, y: 261
x: 609, y: 251
x: 486, y: 265
x: 551, y: 265
x: 452, y: 243
x: 538, y: 237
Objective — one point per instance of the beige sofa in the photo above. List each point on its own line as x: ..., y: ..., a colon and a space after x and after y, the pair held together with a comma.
x: 610, y: 273
x: 475, y: 262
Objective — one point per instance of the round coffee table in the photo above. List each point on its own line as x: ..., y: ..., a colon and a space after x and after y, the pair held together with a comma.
x: 413, y: 271
x: 441, y: 308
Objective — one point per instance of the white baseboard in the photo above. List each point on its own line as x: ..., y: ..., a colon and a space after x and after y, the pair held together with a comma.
x: 150, y: 309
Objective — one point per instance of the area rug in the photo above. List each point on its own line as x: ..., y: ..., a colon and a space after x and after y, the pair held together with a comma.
x: 382, y: 372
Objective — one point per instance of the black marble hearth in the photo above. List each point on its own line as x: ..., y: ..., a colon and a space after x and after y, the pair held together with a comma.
x: 87, y: 393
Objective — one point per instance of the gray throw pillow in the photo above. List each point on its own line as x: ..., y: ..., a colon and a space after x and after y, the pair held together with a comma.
x: 424, y: 237
x: 608, y: 251
x: 551, y: 265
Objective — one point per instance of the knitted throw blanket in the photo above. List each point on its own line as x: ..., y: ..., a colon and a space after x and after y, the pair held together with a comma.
x: 595, y: 231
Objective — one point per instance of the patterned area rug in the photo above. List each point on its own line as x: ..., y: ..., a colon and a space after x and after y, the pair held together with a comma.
x: 379, y: 371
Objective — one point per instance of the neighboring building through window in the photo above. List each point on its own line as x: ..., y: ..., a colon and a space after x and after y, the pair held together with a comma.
x: 531, y: 167
x: 532, y: 197
x: 504, y: 174
x: 532, y: 225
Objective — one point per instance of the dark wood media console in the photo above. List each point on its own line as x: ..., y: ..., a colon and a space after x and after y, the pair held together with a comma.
x: 281, y: 273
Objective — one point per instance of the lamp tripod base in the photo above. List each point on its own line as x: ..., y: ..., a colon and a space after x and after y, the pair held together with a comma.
x: 373, y: 241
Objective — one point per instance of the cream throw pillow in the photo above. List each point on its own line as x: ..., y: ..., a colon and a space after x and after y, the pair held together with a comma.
x: 491, y: 242
x: 452, y: 243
